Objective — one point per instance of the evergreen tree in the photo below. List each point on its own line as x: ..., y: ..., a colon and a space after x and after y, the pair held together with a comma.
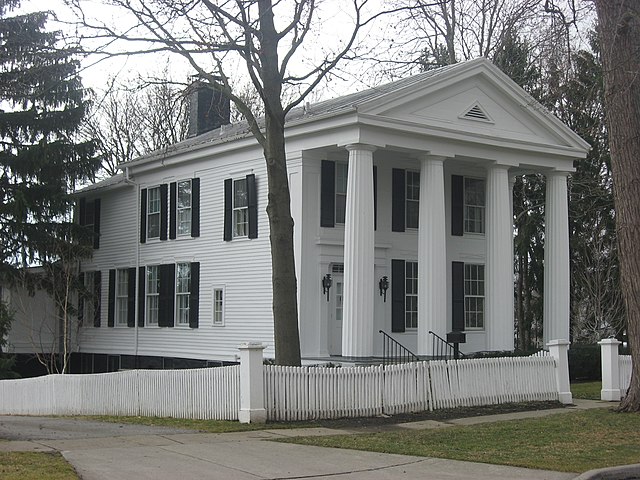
x: 41, y: 107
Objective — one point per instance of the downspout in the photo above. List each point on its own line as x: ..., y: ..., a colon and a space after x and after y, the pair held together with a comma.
x: 127, y: 179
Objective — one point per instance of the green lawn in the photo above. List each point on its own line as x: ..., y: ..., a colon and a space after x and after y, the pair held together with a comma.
x: 586, y: 390
x: 35, y: 466
x: 571, y: 442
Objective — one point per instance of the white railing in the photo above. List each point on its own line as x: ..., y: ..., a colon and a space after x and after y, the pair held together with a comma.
x: 208, y: 393
x: 304, y: 393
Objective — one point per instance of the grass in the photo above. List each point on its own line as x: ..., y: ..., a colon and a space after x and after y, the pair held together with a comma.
x: 35, y: 466
x: 571, y: 442
x: 586, y: 390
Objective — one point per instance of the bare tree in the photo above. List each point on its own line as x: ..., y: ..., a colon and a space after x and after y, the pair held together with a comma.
x: 268, y: 41
x: 619, y: 29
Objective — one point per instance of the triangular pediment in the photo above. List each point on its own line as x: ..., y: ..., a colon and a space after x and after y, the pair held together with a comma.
x: 477, y: 100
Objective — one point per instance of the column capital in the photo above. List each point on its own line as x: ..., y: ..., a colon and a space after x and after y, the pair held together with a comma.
x: 498, y: 166
x: 556, y: 173
x: 432, y: 157
x: 360, y: 146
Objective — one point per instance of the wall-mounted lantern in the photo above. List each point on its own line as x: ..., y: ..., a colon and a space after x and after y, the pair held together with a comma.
x: 383, y: 284
x: 326, y: 285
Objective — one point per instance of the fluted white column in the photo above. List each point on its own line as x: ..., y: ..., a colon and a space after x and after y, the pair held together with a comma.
x: 499, y: 265
x: 556, y: 259
x: 432, y: 254
x: 357, y: 327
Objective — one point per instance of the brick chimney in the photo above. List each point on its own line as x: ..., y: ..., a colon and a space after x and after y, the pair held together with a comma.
x: 208, y: 108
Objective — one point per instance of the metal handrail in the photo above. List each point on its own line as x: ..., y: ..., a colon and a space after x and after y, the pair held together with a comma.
x: 394, y: 352
x: 443, y: 350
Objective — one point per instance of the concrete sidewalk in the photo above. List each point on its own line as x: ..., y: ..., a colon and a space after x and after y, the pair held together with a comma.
x: 161, y: 455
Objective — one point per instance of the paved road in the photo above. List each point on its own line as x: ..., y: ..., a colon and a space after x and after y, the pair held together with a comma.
x: 101, y: 451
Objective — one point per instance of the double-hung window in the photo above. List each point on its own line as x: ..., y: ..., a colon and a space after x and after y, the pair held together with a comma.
x: 122, y: 296
x: 411, y: 295
x: 183, y: 206
x: 474, y: 205
x: 473, y: 296
x: 240, y: 208
x: 152, y: 296
x: 413, y: 199
x: 218, y: 306
x: 183, y: 292
x: 153, y: 213
x: 342, y: 170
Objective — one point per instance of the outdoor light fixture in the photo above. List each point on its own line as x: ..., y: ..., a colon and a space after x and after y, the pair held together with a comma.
x: 326, y: 285
x: 383, y: 284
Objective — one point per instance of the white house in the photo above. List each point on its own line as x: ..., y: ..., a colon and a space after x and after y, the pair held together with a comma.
x: 410, y: 181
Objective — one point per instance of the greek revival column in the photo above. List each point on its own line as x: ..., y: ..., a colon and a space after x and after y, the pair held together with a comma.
x: 499, y: 264
x: 432, y: 254
x: 556, y: 259
x: 357, y: 327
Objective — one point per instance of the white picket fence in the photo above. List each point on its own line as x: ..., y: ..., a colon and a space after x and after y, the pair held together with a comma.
x: 625, y: 372
x: 207, y: 393
x: 304, y: 393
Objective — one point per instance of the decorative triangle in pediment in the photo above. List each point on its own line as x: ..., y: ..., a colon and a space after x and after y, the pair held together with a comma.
x: 476, y: 112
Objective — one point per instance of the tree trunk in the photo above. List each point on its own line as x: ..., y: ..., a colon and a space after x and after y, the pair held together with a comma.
x: 619, y: 28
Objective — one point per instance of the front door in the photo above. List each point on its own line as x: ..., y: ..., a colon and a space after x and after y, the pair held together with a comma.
x: 335, y: 311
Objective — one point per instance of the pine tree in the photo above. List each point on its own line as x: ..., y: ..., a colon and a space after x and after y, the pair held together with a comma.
x: 41, y: 107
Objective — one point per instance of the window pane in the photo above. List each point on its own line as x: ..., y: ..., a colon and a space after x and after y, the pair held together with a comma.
x: 240, y: 193
x: 341, y: 208
x: 184, y: 221
x: 217, y: 306
x: 183, y: 284
x: 412, y: 214
x: 153, y: 226
x: 153, y: 200
x: 341, y: 178
x: 184, y: 194
x: 241, y: 222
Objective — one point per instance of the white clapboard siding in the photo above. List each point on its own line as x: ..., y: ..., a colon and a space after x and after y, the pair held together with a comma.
x: 625, y: 372
x: 208, y: 393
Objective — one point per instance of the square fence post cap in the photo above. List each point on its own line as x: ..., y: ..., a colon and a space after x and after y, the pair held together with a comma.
x: 609, y: 341
x: 561, y: 341
x: 252, y: 346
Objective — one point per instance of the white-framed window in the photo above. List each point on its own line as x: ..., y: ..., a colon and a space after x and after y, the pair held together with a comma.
x: 183, y: 292
x: 342, y: 171
x: 90, y: 300
x: 240, y: 208
x: 153, y: 212
x: 412, y: 199
x: 152, y: 295
x: 473, y: 296
x: 183, y: 206
x: 474, y: 205
x: 122, y: 296
x: 218, y: 306
x: 411, y: 295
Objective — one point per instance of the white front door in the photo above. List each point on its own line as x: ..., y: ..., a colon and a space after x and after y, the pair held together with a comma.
x: 335, y: 313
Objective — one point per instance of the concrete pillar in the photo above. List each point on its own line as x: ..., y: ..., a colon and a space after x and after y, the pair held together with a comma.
x: 359, y: 282
x: 559, y: 350
x: 610, y: 362
x: 556, y: 258
x: 499, y: 263
x: 432, y: 254
x: 251, y: 384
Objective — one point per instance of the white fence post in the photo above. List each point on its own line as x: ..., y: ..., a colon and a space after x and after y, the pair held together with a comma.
x: 559, y: 351
x: 251, y: 384
x: 610, y: 370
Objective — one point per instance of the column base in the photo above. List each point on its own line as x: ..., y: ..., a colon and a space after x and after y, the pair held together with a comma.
x: 612, y: 395
x: 565, y: 398
x: 257, y: 415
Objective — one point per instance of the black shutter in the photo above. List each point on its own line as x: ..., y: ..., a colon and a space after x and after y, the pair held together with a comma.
x: 375, y: 197
x: 173, y: 207
x: 398, y: 197
x: 97, y: 297
x: 228, y: 209
x: 112, y: 298
x: 141, y: 295
x: 457, y: 205
x: 82, y: 211
x: 457, y: 296
x: 328, y: 194
x: 164, y: 220
x: 252, y: 202
x: 194, y: 296
x: 167, y: 295
x: 195, y: 207
x: 397, y: 295
x: 96, y: 223
x: 143, y: 215
x: 81, y: 294
x: 131, y: 297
